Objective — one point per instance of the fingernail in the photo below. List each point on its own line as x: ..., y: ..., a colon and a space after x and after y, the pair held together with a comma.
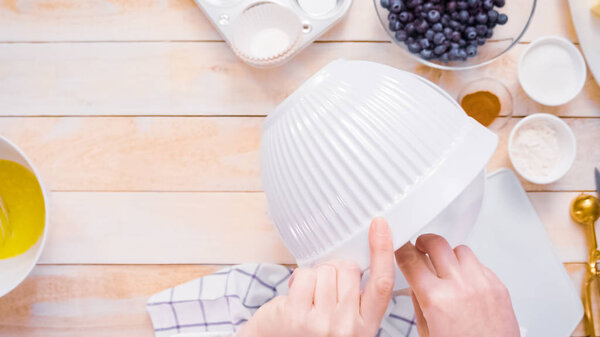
x: 381, y: 227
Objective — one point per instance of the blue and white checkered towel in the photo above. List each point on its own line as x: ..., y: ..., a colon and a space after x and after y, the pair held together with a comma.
x: 218, y: 305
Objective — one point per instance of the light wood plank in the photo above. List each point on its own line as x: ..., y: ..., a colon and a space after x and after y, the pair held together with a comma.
x: 226, y: 228
x: 153, y: 228
x: 106, y: 300
x: 206, y: 79
x: 157, y: 20
x: 154, y: 153
x: 89, y: 300
x: 198, y: 153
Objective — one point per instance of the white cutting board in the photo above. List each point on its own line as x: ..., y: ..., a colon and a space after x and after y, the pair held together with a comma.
x: 588, y: 31
x: 511, y: 240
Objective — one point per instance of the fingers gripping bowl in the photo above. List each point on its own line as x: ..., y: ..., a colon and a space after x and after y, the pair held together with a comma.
x: 360, y: 140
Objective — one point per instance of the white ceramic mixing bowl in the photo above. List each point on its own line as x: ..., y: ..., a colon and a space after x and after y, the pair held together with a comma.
x: 359, y: 140
x: 14, y: 270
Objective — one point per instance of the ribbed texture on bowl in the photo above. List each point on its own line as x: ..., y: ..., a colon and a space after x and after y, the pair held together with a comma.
x: 265, y: 33
x: 350, y: 143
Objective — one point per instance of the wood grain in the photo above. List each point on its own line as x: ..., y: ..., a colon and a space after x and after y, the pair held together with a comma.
x: 150, y: 228
x: 89, y: 300
x: 107, y: 300
x: 224, y: 228
x: 182, y: 20
x: 207, y: 79
x: 198, y: 153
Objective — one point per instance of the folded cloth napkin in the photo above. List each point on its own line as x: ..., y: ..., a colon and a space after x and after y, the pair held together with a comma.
x: 218, y: 305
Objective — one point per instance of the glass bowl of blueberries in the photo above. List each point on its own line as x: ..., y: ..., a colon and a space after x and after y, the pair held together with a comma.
x: 455, y: 34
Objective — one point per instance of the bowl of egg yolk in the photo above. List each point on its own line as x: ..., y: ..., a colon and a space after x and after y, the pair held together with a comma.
x: 23, y: 216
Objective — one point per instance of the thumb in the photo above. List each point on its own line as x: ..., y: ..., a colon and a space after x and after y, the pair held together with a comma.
x: 378, y: 291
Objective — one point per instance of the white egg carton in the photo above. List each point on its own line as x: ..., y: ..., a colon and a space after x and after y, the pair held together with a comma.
x: 269, y: 33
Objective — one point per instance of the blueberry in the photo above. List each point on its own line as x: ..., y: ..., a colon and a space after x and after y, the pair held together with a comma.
x: 445, y: 19
x: 471, y: 20
x: 453, y: 54
x: 410, y: 40
x: 423, y: 15
x: 426, y: 54
x: 454, y: 45
x: 403, y: 17
x: 422, y: 27
x: 444, y: 58
x: 489, y: 33
x: 492, y: 16
x: 428, y: 6
x: 502, y: 19
x: 462, y: 5
x: 451, y: 6
x: 392, y: 17
x: 462, y: 42
x: 438, y: 27
x: 481, y: 41
x: 418, y: 9
x: 439, y: 38
x: 462, y: 54
x: 470, y: 33
x: 481, y: 30
x: 439, y: 50
x: 455, y: 36
x: 481, y: 18
x: 463, y: 15
x: 429, y: 34
x: 455, y: 16
x: 396, y: 26
x: 473, y: 3
x: 401, y: 35
x: 396, y: 6
x: 499, y: 3
x: 448, y: 32
x: 413, y: 3
x: 414, y: 47
x: 424, y: 43
x: 471, y: 50
x: 410, y: 28
x: 488, y: 4
x: 434, y: 16
x: 385, y: 3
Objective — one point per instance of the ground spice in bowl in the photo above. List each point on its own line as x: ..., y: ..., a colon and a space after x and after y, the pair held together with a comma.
x: 483, y: 106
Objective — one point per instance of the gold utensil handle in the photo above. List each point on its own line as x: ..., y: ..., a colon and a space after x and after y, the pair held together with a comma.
x: 588, y: 319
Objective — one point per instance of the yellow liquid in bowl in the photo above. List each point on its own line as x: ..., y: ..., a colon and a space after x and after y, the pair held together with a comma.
x: 24, y: 205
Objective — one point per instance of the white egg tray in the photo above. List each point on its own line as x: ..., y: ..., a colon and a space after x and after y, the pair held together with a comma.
x: 315, y: 17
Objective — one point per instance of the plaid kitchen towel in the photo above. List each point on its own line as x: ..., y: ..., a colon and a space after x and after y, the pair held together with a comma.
x: 218, y: 305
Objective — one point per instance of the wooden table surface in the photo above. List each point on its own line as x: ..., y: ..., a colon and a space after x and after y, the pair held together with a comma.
x: 146, y: 127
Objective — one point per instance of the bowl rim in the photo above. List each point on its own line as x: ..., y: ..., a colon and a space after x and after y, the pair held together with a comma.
x: 42, y: 239
x: 564, y: 43
x: 377, y: 4
x: 572, y: 148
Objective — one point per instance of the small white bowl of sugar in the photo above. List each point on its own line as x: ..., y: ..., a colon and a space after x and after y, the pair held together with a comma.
x: 542, y: 148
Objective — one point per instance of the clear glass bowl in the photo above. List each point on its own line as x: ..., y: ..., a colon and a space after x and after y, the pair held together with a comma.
x: 520, y: 13
x: 499, y: 90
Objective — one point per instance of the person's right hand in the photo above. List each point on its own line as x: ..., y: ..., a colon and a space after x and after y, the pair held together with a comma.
x: 454, y: 295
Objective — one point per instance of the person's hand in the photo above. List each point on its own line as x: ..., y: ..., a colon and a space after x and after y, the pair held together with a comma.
x: 454, y: 295
x: 326, y: 301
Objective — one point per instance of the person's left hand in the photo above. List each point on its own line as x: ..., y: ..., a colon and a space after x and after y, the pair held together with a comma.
x: 326, y: 301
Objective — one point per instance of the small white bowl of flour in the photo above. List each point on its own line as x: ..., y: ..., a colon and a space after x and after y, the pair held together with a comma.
x: 542, y: 148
